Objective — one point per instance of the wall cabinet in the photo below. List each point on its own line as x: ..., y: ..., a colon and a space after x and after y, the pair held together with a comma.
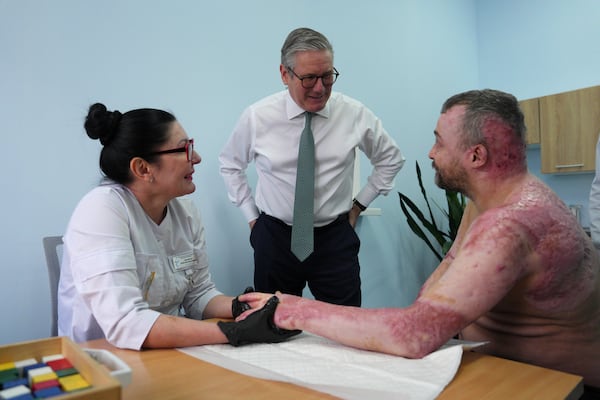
x: 569, y: 124
x: 531, y: 112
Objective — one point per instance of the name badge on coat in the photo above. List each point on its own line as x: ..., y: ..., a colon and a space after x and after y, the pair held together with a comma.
x: 185, y: 261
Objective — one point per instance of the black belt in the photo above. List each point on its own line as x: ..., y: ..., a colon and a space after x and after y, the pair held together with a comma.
x: 339, y: 218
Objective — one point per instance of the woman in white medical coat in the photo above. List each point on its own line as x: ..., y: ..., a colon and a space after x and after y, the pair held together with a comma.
x: 135, y: 268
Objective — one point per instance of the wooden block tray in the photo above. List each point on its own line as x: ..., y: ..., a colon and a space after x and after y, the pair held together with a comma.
x: 104, y: 386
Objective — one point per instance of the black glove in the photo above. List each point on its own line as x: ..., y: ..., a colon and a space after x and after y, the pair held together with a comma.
x: 258, y: 327
x: 238, y: 307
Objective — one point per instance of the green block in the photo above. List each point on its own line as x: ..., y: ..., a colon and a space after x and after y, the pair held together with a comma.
x: 66, y: 372
x: 9, y: 375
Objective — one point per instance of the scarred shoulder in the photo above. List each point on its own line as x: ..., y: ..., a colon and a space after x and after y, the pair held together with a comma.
x: 532, y: 210
x: 533, y: 240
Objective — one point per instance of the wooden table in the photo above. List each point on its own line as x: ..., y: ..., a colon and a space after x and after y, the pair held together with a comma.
x: 171, y: 374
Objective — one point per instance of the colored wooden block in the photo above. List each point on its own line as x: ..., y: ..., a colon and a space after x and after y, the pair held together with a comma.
x: 39, y: 371
x: 73, y: 382
x: 27, y: 396
x: 66, y: 372
x: 52, y: 357
x: 15, y: 382
x: 14, y: 392
x: 44, y: 384
x: 48, y: 392
x: 44, y: 377
x: 7, y: 365
x: 25, y: 363
x: 9, y: 372
x: 8, y: 375
x: 59, y: 364
x: 28, y: 368
x: 32, y: 373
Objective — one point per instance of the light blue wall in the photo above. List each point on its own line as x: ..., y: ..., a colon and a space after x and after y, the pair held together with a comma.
x: 206, y: 61
x: 539, y: 47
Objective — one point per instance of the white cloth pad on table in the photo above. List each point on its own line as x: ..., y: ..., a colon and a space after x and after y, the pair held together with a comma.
x: 329, y: 367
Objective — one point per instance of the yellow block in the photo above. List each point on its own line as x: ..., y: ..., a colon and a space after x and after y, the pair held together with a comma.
x: 44, y: 377
x: 8, y: 365
x: 73, y: 382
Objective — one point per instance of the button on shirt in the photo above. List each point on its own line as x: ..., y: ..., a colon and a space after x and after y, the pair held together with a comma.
x: 120, y: 270
x: 268, y: 133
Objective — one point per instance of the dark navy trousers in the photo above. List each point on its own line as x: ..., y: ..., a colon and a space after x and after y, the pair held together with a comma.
x: 332, y: 271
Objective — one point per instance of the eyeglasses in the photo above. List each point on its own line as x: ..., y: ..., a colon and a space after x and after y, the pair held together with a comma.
x: 310, y: 81
x: 188, y: 149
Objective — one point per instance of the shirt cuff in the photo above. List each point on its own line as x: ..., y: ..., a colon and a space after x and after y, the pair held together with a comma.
x: 250, y: 211
x: 366, y: 196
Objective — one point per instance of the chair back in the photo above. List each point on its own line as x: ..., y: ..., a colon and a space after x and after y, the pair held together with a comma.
x: 52, y: 245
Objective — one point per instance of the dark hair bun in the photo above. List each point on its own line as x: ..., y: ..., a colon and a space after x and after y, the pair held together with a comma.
x: 101, y: 123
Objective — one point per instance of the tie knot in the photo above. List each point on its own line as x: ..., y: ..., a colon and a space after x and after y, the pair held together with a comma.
x: 308, y: 116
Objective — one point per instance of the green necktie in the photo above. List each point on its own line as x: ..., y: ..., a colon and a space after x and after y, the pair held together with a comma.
x: 302, y: 226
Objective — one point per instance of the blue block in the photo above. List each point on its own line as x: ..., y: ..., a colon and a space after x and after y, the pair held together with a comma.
x: 23, y: 397
x: 16, y: 382
x: 48, y: 392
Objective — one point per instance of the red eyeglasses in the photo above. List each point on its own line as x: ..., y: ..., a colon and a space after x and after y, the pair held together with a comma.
x: 188, y: 149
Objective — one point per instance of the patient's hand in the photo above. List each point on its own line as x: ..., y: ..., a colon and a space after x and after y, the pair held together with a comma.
x: 256, y: 327
x: 253, y: 301
x: 290, y: 309
x: 237, y: 306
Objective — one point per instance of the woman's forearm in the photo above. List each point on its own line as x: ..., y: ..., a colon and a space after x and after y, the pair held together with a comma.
x: 169, y: 331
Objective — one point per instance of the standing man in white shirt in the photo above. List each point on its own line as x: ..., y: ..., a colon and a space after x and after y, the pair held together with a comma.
x: 268, y: 134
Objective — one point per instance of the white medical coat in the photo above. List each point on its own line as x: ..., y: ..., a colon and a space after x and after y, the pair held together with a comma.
x: 120, y: 269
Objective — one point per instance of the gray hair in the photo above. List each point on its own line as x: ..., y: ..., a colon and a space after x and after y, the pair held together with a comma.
x: 482, y: 104
x: 302, y: 39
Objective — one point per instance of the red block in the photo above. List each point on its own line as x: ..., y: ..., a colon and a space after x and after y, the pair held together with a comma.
x: 59, y: 364
x: 45, y: 384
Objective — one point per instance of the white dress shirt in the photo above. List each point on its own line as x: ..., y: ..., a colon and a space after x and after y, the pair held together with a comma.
x: 595, y: 202
x: 120, y: 270
x: 268, y: 133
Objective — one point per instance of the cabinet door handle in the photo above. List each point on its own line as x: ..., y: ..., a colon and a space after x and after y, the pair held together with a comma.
x: 568, y: 166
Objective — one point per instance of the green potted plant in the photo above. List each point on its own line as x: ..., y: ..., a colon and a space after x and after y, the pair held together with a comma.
x: 456, y: 205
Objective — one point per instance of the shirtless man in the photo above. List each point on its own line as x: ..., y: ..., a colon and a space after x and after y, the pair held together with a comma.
x: 521, y: 274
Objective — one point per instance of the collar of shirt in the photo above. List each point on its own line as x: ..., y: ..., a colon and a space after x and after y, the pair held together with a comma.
x: 293, y: 110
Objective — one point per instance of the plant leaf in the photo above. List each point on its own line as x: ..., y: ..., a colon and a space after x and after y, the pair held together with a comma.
x: 456, y: 205
x: 424, y: 193
x: 446, y: 247
x: 435, y: 232
x: 418, y: 231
